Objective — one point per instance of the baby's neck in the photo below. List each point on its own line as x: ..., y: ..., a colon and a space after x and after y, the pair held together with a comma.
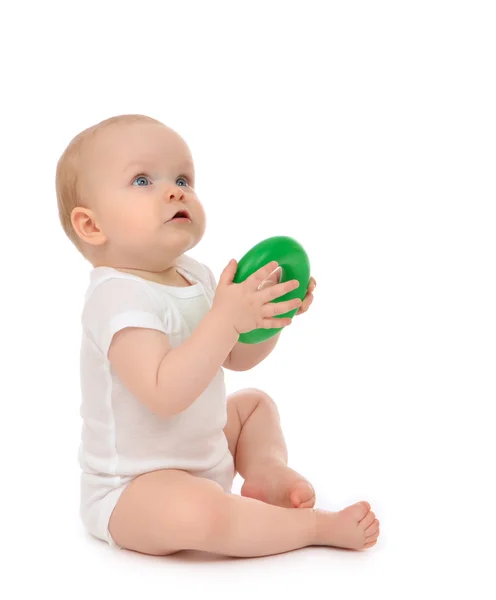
x: 169, y: 277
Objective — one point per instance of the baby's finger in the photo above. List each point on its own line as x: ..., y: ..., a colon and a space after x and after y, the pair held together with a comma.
x: 255, y: 279
x: 275, y: 291
x: 275, y: 323
x: 279, y: 308
x: 306, y: 303
x: 229, y: 272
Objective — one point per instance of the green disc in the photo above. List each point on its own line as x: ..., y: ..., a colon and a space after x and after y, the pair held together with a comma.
x: 294, y: 264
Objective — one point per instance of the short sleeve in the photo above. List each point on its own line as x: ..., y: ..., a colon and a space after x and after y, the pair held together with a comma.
x: 118, y: 303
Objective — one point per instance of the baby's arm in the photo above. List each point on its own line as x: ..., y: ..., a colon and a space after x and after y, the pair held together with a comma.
x: 246, y: 356
x: 168, y: 380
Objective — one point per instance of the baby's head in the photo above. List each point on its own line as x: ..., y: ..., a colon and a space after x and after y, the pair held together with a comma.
x: 119, y: 185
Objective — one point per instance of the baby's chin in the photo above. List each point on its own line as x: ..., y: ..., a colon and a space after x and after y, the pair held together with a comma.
x: 183, y: 237
x: 177, y: 245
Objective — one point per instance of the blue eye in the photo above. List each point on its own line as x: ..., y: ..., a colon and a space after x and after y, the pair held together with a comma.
x: 183, y: 179
x: 141, y: 181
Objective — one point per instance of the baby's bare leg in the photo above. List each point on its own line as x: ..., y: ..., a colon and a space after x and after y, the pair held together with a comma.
x: 253, y: 429
x: 167, y: 511
x: 257, y: 444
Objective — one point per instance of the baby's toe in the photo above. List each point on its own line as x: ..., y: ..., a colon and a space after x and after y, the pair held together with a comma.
x: 372, y: 538
x: 357, y: 511
x: 372, y: 528
x: 303, y: 496
x: 367, y: 520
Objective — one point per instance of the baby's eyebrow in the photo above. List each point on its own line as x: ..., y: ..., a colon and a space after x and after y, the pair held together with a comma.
x: 187, y: 165
x: 135, y: 165
x: 143, y: 164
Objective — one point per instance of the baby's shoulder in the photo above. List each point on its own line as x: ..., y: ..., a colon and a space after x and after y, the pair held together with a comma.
x: 109, y: 281
x: 111, y: 291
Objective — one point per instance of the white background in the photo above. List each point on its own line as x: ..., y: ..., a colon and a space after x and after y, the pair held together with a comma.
x: 366, y: 130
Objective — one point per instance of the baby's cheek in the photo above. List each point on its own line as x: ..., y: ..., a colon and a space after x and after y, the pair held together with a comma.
x: 197, y: 209
x: 129, y: 229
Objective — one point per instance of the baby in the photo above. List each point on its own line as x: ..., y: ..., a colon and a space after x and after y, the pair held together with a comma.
x: 161, y: 440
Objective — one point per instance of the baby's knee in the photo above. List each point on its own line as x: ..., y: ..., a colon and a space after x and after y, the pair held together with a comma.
x: 248, y: 399
x: 204, y: 516
x: 217, y: 519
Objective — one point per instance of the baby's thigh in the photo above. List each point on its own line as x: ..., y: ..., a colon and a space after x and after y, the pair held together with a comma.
x: 165, y: 511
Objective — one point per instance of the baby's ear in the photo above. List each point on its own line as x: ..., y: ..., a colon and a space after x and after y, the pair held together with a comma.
x: 85, y: 225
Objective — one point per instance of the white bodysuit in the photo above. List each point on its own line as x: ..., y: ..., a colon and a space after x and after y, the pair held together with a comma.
x: 121, y: 437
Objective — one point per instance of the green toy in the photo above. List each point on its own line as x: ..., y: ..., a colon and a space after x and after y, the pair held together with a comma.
x: 294, y: 264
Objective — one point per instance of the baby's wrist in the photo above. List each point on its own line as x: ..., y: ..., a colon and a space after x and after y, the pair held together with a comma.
x: 224, y: 324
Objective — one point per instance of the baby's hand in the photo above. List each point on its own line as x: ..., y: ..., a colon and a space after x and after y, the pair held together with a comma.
x: 275, y: 277
x: 246, y: 306
x: 308, y: 299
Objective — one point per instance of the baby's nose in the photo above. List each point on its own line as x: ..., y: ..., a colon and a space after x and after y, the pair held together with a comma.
x: 175, y: 193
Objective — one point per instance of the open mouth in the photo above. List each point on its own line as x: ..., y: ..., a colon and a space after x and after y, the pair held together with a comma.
x: 181, y: 214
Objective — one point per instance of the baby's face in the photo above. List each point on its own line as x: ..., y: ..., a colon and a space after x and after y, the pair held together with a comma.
x: 136, y: 178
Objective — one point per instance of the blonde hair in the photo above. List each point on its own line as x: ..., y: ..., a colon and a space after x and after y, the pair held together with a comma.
x: 67, y: 182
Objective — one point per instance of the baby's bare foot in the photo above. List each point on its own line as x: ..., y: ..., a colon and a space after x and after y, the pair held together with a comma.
x: 354, y: 527
x: 279, y: 485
